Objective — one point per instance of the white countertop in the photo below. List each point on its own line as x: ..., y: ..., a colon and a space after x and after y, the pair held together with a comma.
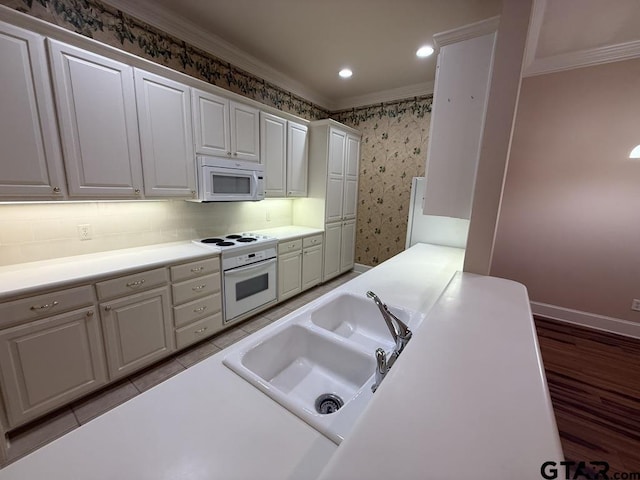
x: 467, y: 399
x: 289, y: 232
x: 32, y: 277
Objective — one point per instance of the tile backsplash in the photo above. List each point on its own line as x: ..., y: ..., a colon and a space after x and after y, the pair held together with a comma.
x: 40, y: 231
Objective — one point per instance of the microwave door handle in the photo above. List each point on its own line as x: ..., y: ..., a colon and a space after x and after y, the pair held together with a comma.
x: 253, y: 266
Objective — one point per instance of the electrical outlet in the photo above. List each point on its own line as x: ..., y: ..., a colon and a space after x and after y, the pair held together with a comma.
x: 84, y: 231
x: 635, y: 304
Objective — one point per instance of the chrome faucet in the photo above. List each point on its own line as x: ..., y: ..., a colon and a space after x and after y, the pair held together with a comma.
x: 401, y: 336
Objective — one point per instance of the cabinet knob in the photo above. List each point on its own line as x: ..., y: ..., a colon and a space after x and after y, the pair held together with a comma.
x: 229, y: 153
x: 202, y: 330
x: 107, y: 308
x: 137, y: 191
x: 197, y: 269
x: 235, y: 154
x: 90, y: 313
x: 56, y: 189
x: 199, y: 287
x: 135, y: 284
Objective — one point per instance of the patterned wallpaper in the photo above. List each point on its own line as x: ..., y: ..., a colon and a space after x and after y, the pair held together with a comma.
x: 395, y: 134
x: 108, y: 25
x: 393, y: 151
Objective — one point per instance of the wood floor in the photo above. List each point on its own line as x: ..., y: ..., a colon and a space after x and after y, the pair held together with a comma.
x: 594, y: 380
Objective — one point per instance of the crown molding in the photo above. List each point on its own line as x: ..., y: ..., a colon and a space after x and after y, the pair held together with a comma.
x: 161, y: 18
x: 584, y: 58
x: 416, y: 90
x: 533, y: 35
x: 472, y: 30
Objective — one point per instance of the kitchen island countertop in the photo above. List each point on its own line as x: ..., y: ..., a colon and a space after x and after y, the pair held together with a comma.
x: 467, y: 399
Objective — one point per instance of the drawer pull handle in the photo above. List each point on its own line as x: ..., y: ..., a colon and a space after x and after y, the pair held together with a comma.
x: 135, y: 284
x: 45, y: 306
x: 199, y: 287
x: 197, y: 269
x: 201, y: 330
x: 201, y: 309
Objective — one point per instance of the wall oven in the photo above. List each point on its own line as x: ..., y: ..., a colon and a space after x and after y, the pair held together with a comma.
x: 224, y: 180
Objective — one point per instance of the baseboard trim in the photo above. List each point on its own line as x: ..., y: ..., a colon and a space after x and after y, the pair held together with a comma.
x: 585, y: 319
x: 360, y: 268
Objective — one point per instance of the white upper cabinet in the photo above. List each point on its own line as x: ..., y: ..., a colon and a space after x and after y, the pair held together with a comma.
x: 225, y: 128
x: 96, y: 104
x: 337, y: 152
x: 166, y: 136
x: 342, y: 178
x: 245, y: 131
x: 211, y: 124
x: 273, y: 152
x: 284, y: 150
x: 297, y: 160
x: 31, y: 165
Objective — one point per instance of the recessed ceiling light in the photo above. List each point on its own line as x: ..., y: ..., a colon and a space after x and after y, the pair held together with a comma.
x: 424, y: 51
x: 345, y: 73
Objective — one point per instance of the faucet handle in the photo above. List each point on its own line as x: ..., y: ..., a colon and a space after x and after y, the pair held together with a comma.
x: 381, y: 368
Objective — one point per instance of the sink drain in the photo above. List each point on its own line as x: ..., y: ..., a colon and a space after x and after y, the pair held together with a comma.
x: 328, y: 403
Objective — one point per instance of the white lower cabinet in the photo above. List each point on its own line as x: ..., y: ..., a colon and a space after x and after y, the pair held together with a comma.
x: 289, y: 269
x: 339, y: 248
x: 138, y: 330
x: 197, y: 300
x: 49, y: 362
x: 311, y: 266
x: 137, y: 320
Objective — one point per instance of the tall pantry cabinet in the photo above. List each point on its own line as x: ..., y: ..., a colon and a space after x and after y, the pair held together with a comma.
x: 333, y: 190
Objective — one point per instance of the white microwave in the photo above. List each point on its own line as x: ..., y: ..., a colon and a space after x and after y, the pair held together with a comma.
x: 225, y: 180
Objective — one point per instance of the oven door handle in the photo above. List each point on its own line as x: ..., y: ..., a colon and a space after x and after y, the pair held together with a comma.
x: 253, y: 266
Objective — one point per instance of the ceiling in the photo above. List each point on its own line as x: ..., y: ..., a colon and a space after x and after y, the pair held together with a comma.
x: 301, y: 45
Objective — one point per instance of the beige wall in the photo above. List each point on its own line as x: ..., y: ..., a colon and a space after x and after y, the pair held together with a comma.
x: 569, y: 227
x: 39, y: 231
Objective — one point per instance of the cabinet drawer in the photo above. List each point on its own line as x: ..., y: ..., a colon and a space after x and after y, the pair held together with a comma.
x: 45, y: 305
x: 291, y: 246
x: 311, y: 241
x: 202, y: 267
x: 192, y: 311
x: 131, y: 283
x: 198, y: 330
x: 196, y: 288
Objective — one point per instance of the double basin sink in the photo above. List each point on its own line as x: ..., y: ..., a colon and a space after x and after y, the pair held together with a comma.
x: 318, y: 362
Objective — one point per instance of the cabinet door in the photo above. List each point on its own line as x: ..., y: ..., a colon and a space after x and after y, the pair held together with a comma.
x: 273, y: 153
x: 289, y: 275
x: 311, y: 266
x: 352, y: 156
x: 32, y: 162
x: 297, y: 160
x: 334, y: 200
x: 137, y: 330
x: 350, y: 198
x: 211, y: 124
x: 348, y: 245
x: 332, y: 244
x: 98, y: 123
x: 337, y: 152
x: 166, y: 136
x: 49, y: 362
x: 245, y: 131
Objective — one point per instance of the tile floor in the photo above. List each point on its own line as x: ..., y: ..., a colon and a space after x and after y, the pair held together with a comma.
x: 37, y: 434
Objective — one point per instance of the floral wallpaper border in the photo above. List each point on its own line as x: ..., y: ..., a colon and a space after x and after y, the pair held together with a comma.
x: 109, y: 25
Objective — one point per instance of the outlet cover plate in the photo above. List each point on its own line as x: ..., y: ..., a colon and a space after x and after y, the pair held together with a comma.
x: 635, y: 304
